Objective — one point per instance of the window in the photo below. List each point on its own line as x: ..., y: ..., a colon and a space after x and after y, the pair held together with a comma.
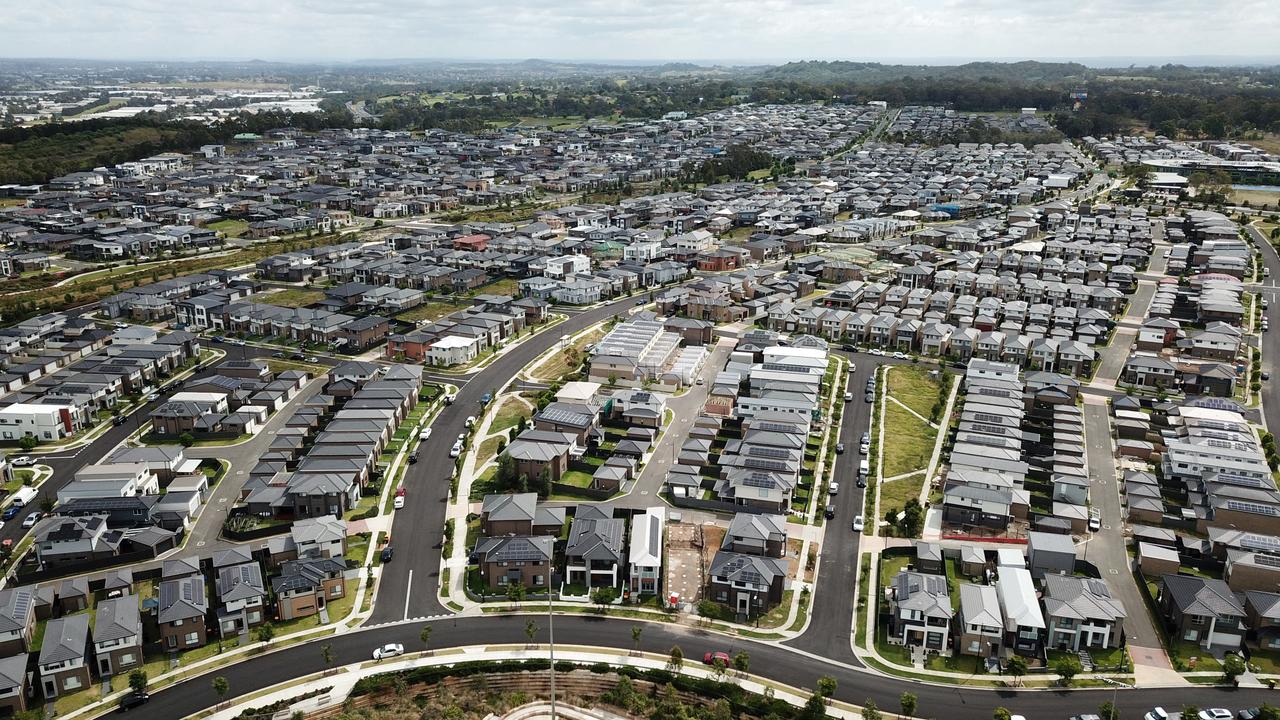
x: 71, y: 682
x: 127, y: 658
x: 335, y: 591
x: 177, y: 623
x: 192, y: 638
x: 1197, y: 619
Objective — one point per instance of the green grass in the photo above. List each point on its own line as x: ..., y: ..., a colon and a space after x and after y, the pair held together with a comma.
x: 895, y: 494
x: 971, y: 664
x: 576, y: 478
x: 483, y: 484
x: 508, y: 415
x: 232, y: 228
x: 357, y: 548
x: 559, y: 363
x: 279, y: 365
x: 1267, y: 661
x: 366, y: 502
x: 889, y: 567
x: 488, y: 450
x: 64, y: 704
x: 913, y: 387
x: 338, y: 609
x: 292, y: 297
x: 430, y: 310
x: 1181, y: 652
x: 912, y: 444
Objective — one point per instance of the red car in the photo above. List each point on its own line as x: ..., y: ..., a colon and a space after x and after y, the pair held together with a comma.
x: 712, y: 658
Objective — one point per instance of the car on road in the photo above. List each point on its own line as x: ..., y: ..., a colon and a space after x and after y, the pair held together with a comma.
x: 639, y: 303
x: 839, y: 448
x: 456, y: 450
x: 1156, y: 714
x: 122, y: 325
x: 712, y: 658
x: 864, y: 447
x: 22, y: 461
x: 32, y: 519
x: 848, y: 397
x: 849, y: 347
x: 1249, y: 713
x: 11, y: 512
x: 448, y: 399
x: 862, y: 481
x: 297, y: 356
x: 870, y: 398
x: 1266, y: 375
x: 413, y: 459
x: 219, y: 339
x: 471, y: 421
x: 1095, y: 522
x: 425, y: 434
x: 853, y: 366
x: 899, y: 356
x: 833, y: 488
x: 876, y: 351
x: 313, y: 359
x: 132, y: 700
x: 387, y: 651
x: 398, y: 502
x: 699, y: 381
x: 388, y: 552
x: 858, y: 524
x: 1085, y: 717
x: 1215, y: 714
x: 119, y: 419
x: 152, y: 397
x: 277, y: 354
x: 486, y: 398
x: 830, y: 511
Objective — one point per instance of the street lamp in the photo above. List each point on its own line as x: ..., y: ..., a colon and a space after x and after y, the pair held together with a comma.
x: 551, y: 642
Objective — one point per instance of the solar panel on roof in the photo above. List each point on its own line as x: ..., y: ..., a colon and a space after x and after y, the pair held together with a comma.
x: 759, y: 480
x: 987, y: 417
x: 1260, y: 543
x: 1251, y: 507
x: 768, y: 452
x: 1267, y: 560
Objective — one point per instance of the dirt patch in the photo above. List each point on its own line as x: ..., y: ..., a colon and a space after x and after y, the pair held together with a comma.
x: 690, y: 549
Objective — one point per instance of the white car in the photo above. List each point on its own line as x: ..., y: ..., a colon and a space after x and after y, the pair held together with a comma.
x: 848, y: 397
x: 876, y: 351
x: 900, y: 356
x: 864, y: 448
x: 398, y: 503
x: 23, y: 461
x: 455, y: 451
x: 32, y: 519
x: 858, y: 524
x: 425, y: 434
x: 1215, y: 714
x: 1156, y: 714
x: 471, y: 421
x: 448, y: 399
x: 1095, y: 523
x: 388, y: 650
x: 833, y: 488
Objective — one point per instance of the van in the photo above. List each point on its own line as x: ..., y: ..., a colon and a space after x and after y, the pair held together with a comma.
x: 864, y: 467
x: 23, y: 496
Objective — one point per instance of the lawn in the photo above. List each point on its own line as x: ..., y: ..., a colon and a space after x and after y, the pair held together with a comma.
x: 357, y: 548
x: 505, y: 286
x: 560, y: 362
x: 576, y: 478
x: 367, y: 502
x: 971, y: 664
x: 913, y: 387
x: 488, y: 450
x: 430, y: 310
x: 338, y: 609
x: 232, y: 228
x: 292, y: 297
x: 278, y: 365
x: 912, y: 444
x: 889, y: 567
x: 1181, y: 652
x: 483, y: 484
x: 894, y: 494
x: 508, y: 415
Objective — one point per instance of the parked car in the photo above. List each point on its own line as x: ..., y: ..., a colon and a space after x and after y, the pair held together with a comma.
x: 900, y: 356
x: 839, y: 448
x: 119, y: 419
x: 413, y: 459
x: 425, y: 434
x: 398, y: 502
x: 1215, y: 714
x: 1095, y: 522
x: 455, y: 451
x: 833, y: 488
x: 313, y: 359
x: 862, y: 481
x: 858, y: 524
x: 22, y: 461
x: 876, y: 351
x: 486, y: 398
x: 32, y: 519
x: 712, y: 658
x: 471, y: 421
x: 11, y: 512
x: 448, y: 399
x: 132, y: 700
x: 388, y: 650
x: 1249, y: 713
x: 871, y: 397
x: 848, y: 397
x: 1156, y: 714
x: 699, y: 381
x: 277, y: 354
x: 830, y: 511
x: 388, y: 552
x: 152, y: 397
x: 297, y: 356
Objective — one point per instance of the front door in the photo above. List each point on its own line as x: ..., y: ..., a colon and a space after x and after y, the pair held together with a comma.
x: 104, y: 666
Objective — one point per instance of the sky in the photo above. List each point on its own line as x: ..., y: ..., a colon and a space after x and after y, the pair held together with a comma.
x: 638, y: 30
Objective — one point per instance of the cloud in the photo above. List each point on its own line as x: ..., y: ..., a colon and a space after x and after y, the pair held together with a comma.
x: 636, y: 29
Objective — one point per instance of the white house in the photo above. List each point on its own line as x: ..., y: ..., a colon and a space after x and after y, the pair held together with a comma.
x: 44, y: 421
x: 645, y: 554
x: 567, y: 265
x: 453, y: 350
x: 111, y: 480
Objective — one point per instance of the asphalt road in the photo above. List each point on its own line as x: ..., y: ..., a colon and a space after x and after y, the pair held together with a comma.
x: 776, y: 662
x: 1270, y: 340
x: 408, y: 587
x: 829, y: 633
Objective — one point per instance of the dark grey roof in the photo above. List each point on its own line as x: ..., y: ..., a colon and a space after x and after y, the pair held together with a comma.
x: 65, y: 638
x: 182, y: 599
x: 1202, y: 596
x: 117, y: 619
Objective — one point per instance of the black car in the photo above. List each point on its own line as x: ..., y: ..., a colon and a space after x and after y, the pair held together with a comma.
x: 839, y: 448
x: 297, y: 356
x: 119, y: 419
x: 132, y: 700
x: 387, y: 553
x: 871, y: 397
x: 862, y: 481
x: 413, y: 459
x: 849, y: 348
x: 830, y: 512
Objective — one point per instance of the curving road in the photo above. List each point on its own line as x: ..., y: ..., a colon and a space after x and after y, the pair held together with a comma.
x: 776, y: 662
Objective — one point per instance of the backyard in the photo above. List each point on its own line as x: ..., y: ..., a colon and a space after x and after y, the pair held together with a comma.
x: 895, y: 493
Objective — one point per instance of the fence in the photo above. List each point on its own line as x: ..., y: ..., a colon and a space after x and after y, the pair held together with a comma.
x: 588, y: 493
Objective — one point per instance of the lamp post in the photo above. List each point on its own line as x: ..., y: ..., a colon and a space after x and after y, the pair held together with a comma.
x: 551, y: 641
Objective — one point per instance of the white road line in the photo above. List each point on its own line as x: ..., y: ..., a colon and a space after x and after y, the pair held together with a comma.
x: 407, y: 592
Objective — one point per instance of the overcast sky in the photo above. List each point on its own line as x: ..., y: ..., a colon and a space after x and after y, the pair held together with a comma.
x: 741, y: 30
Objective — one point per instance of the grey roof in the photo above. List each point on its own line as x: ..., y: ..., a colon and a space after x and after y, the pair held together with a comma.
x: 928, y: 551
x: 517, y: 506
x: 179, y: 567
x: 182, y: 599
x: 756, y: 527
x: 596, y: 539
x: 1050, y: 542
x: 231, y: 556
x: 65, y: 638
x: 1080, y: 599
x: 13, y: 671
x: 516, y: 548
x: 305, y: 573
x: 923, y: 592
x: 980, y: 605
x: 118, y: 618
x: 15, y: 607
x: 240, y: 582
x: 754, y: 569
x: 1202, y: 596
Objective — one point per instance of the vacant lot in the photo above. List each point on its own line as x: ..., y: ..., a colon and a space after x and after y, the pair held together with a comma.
x: 430, y: 310
x: 563, y: 361
x: 914, y: 387
x: 909, y: 441
x: 895, y: 493
x: 1256, y: 198
x: 293, y: 297
x: 232, y: 228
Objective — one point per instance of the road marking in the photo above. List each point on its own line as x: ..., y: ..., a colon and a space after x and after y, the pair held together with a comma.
x: 407, y: 591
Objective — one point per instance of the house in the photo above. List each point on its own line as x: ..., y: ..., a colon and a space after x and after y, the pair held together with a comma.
x: 324, y: 536
x: 538, y: 451
x: 17, y: 619
x: 1203, y: 611
x: 117, y: 636
x: 1081, y: 613
x: 519, y: 559
x: 594, y: 551
x: 181, y: 612
x: 305, y: 586
x: 752, y: 534
x: 748, y: 584
x: 13, y: 684
x: 1024, y: 624
x: 1050, y: 553
x: 62, y: 663
x: 981, y: 626
x: 644, y: 559
x: 242, y: 598
x: 1262, y: 610
x: 519, y: 514
x: 920, y: 610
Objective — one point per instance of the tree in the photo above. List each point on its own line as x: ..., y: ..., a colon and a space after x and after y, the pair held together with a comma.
x: 1017, y: 667
x: 1001, y: 713
x: 1108, y: 711
x: 1268, y: 712
x: 869, y: 710
x: 425, y: 637
x: 604, y: 596
x: 515, y: 593
x: 720, y: 667
x: 908, y: 703
x: 912, y: 518
x: 1233, y: 666
x: 741, y: 661
x: 28, y: 442
x: 636, y: 632
x: 826, y: 686
x: 326, y: 653
x: 266, y: 632
x: 221, y: 687
x: 814, y: 708
x: 46, y: 504
x: 530, y: 630
x: 676, y: 661
x: 186, y: 439
x: 138, y: 680
x: 1067, y: 668
x: 1190, y: 711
